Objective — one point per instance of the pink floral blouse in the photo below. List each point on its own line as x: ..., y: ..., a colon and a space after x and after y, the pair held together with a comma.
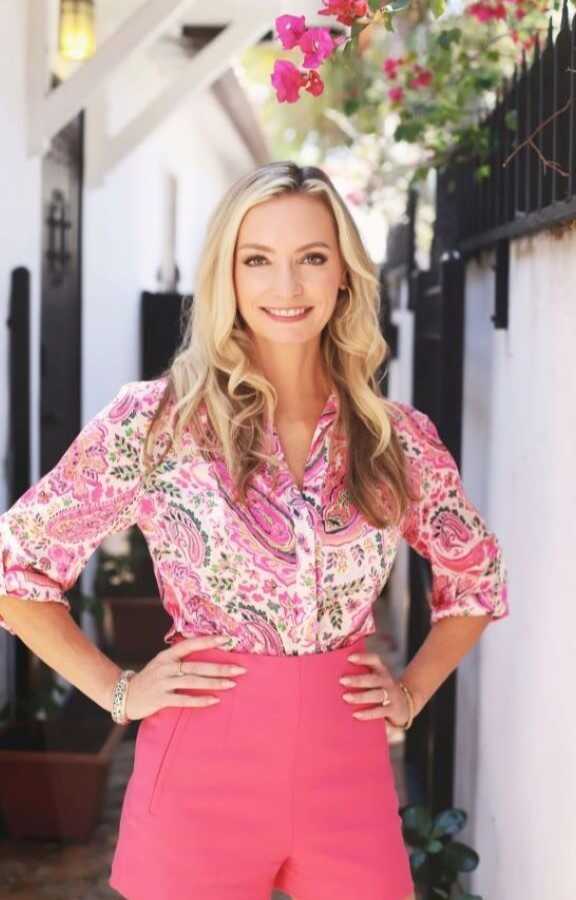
x: 297, y: 574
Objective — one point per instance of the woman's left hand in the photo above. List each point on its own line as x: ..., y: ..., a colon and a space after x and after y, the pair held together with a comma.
x: 377, y: 682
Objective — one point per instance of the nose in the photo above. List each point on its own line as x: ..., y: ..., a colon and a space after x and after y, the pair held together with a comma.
x: 287, y: 282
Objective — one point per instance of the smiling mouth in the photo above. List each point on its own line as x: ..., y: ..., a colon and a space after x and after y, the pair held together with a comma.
x: 295, y: 312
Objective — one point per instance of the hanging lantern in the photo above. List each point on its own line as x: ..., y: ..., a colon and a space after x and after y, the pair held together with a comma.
x: 76, y: 30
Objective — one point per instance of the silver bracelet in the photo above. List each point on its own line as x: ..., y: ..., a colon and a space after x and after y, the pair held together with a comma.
x: 119, y: 694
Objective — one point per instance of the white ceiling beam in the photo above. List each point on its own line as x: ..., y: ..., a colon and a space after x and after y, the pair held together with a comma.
x: 53, y: 110
x: 202, y: 70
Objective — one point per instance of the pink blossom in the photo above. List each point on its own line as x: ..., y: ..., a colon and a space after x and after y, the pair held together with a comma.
x: 396, y: 94
x: 484, y: 12
x: 314, y: 84
x: 287, y: 81
x: 290, y: 30
x: 317, y: 45
x: 391, y: 65
x: 346, y: 11
x: 421, y: 78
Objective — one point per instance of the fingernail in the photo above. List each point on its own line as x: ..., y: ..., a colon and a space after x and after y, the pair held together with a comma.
x: 353, y: 658
x: 222, y: 639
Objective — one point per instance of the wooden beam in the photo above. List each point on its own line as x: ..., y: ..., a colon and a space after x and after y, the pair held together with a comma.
x: 202, y: 70
x: 61, y: 105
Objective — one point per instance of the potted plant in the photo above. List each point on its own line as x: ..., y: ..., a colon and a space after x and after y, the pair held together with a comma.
x: 134, y: 619
x: 436, y: 860
x: 56, y: 746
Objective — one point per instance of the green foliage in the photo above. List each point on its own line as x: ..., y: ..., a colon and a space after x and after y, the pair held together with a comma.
x: 436, y: 860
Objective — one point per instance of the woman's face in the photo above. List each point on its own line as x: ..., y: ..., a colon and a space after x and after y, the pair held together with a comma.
x: 287, y: 258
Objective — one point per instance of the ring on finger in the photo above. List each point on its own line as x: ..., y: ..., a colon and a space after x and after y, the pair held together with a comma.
x: 180, y: 669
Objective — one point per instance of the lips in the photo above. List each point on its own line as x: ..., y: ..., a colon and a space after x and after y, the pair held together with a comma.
x: 280, y: 315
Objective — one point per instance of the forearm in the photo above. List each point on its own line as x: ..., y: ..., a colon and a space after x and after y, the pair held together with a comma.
x: 50, y: 632
x: 447, y: 642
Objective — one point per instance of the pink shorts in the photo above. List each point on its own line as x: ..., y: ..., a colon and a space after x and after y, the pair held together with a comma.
x: 278, y: 786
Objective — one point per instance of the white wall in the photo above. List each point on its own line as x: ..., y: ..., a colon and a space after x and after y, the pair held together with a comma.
x: 124, y: 225
x: 20, y: 224
x: 477, y: 474
x: 526, y: 784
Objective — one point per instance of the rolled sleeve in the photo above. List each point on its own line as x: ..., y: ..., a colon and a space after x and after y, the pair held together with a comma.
x: 50, y: 532
x: 469, y: 574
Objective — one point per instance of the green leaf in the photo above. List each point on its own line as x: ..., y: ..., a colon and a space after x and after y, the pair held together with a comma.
x: 459, y: 857
x: 482, y: 172
x: 374, y: 5
x: 434, y: 846
x: 409, y: 132
x: 417, y: 820
x: 451, y: 36
x: 437, y: 7
x: 448, y: 822
x: 511, y: 119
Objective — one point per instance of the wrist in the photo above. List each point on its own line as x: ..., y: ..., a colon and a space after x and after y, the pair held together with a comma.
x: 418, y: 699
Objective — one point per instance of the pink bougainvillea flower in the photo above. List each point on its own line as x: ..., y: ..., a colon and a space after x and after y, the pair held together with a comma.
x: 485, y: 12
x: 287, y: 81
x: 391, y: 65
x: 290, y: 30
x: 396, y: 94
x: 317, y: 45
x: 346, y: 11
x: 421, y: 77
x: 314, y: 84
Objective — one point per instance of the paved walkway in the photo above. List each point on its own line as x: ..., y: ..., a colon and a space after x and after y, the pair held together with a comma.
x: 37, y: 870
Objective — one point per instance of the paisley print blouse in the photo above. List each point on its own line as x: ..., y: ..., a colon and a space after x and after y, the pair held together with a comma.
x: 298, y: 573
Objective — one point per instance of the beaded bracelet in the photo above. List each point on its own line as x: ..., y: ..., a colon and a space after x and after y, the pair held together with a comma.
x: 119, y: 695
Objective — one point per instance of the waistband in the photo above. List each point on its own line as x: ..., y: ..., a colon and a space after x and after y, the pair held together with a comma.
x: 240, y: 657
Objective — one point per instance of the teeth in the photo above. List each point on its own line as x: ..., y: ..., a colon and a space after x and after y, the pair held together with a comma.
x: 286, y: 312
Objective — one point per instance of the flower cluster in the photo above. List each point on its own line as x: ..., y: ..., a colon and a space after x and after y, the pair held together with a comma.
x: 346, y: 11
x: 493, y: 10
x: 316, y: 44
x: 414, y: 75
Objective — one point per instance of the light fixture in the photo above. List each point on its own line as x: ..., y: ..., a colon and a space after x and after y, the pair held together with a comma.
x: 76, y: 39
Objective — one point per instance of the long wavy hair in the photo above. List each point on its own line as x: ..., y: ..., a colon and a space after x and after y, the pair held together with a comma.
x: 213, y: 362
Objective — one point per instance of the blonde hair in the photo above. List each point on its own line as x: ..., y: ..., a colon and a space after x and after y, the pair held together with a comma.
x: 213, y: 361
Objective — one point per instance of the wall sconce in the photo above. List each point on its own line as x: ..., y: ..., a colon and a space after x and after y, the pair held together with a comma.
x: 76, y: 40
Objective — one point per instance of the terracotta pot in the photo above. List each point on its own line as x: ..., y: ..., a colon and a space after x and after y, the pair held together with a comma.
x: 53, y: 776
x: 134, y: 627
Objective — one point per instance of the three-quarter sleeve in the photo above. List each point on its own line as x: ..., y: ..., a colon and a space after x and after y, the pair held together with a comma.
x: 49, y: 533
x: 468, y: 570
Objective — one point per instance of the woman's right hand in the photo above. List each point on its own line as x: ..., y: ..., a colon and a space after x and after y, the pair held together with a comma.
x: 153, y: 687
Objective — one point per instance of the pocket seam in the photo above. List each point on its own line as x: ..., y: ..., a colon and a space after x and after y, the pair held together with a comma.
x: 162, y: 765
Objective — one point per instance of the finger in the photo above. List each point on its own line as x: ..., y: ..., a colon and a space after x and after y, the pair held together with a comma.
x: 198, y: 682
x: 364, y: 696
x: 199, y: 667
x: 369, y: 659
x: 171, y: 699
x: 201, y: 642
x: 375, y: 679
x: 375, y: 712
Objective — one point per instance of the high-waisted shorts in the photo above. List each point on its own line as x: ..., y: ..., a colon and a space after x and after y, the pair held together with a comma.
x: 277, y: 786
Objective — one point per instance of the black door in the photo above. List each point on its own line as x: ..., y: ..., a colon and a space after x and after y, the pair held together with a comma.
x: 61, y: 297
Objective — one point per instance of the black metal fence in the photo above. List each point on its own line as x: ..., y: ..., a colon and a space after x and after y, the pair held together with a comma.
x: 532, y: 153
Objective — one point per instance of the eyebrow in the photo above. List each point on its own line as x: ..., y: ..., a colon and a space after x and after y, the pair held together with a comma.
x: 271, y: 249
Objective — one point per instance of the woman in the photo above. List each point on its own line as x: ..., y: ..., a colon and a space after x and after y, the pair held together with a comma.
x: 273, y: 483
